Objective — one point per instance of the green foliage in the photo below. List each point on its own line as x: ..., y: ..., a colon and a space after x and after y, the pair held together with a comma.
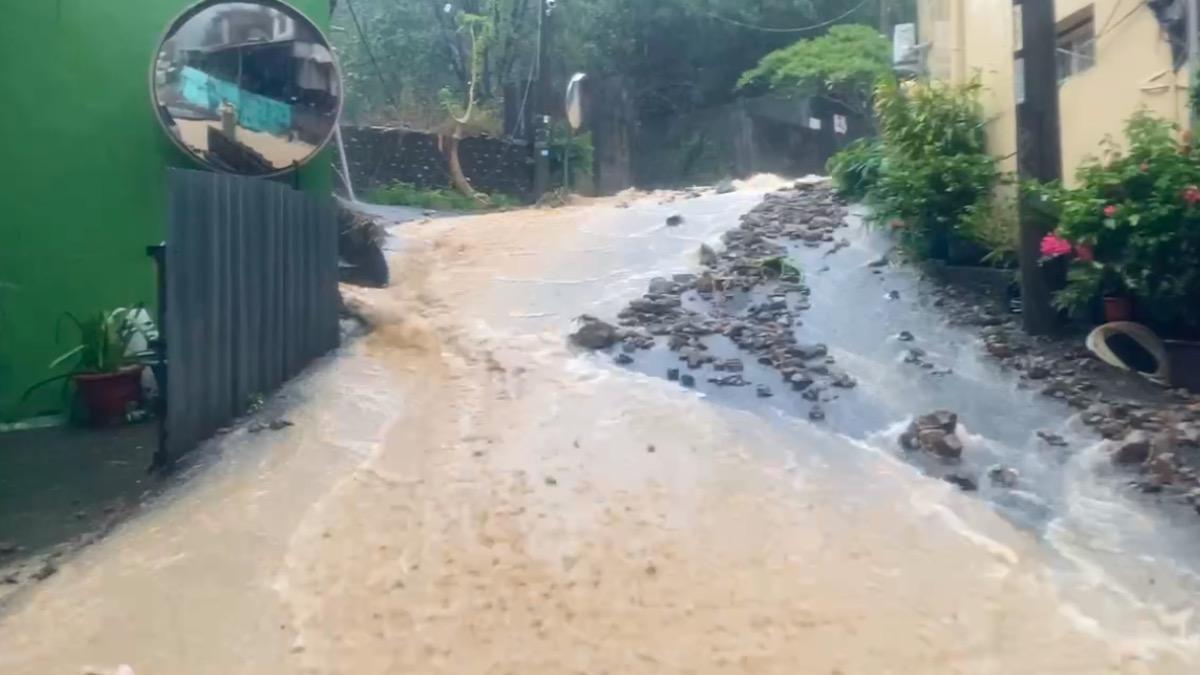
x: 675, y: 56
x: 843, y: 65
x: 575, y: 150
x: 856, y: 169
x: 439, y: 199
x: 102, y: 344
x: 1137, y: 211
x: 104, y: 339
x: 994, y: 224
x: 935, y: 167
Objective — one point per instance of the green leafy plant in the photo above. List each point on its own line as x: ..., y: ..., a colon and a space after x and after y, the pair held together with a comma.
x: 994, y: 224
x: 1132, y: 225
x: 935, y: 166
x: 856, y: 168
x: 842, y: 66
x: 102, y: 345
x: 438, y: 199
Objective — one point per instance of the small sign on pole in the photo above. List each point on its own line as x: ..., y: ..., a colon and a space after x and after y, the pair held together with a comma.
x: 839, y: 124
x: 814, y: 123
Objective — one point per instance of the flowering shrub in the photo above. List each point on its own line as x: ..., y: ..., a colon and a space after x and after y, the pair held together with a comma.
x: 1133, y: 225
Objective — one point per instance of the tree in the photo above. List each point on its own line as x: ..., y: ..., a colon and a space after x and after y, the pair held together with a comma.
x: 842, y: 66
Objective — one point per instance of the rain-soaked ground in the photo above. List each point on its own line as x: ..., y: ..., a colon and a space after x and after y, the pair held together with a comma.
x: 462, y: 493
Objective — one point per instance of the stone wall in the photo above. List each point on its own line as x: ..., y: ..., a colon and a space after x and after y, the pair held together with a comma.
x: 380, y: 156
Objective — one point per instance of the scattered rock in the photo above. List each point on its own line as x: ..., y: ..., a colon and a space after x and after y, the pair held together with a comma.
x: 810, y: 352
x: 964, y: 483
x: 1135, y: 451
x: 800, y: 381
x: 47, y: 570
x: 1053, y: 440
x: 595, y: 334
x: 660, y: 286
x: 763, y: 391
x: 1038, y: 371
x: 673, y: 374
x: 623, y: 359
x: 725, y: 187
x: 941, y: 419
x: 816, y: 414
x: 687, y: 380
x: 708, y: 257
x: 905, y: 336
x: 943, y: 444
x: 893, y: 295
x: 1003, y: 476
x: 1000, y: 350
x: 880, y: 262
x: 674, y: 220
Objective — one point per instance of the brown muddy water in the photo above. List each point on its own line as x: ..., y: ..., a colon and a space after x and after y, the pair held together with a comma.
x: 462, y: 493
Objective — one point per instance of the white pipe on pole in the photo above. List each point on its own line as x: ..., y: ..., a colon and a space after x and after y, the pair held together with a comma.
x: 345, y: 165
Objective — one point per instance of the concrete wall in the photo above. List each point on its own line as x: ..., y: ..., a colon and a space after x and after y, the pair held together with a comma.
x: 83, y: 172
x: 1133, y: 70
x: 381, y: 156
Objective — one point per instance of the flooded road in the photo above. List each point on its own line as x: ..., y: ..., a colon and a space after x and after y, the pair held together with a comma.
x: 462, y: 493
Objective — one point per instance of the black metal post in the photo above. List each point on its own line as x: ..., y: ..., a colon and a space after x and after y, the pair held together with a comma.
x: 1039, y: 151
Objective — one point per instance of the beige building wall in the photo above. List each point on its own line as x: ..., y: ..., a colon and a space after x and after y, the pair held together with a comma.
x: 1133, y: 70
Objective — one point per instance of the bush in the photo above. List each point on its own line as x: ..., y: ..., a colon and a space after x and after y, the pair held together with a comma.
x: 856, y: 168
x: 1132, y: 227
x: 935, y: 167
x: 438, y: 199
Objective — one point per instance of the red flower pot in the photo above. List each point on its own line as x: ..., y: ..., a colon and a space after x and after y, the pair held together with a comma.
x: 108, y: 396
x: 1117, y: 308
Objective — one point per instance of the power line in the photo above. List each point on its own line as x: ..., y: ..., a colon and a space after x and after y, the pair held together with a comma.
x: 800, y: 29
x: 1110, y: 28
x: 362, y: 36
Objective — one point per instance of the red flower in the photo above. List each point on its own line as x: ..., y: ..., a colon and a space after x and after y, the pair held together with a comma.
x: 1085, y: 253
x: 1191, y: 195
x: 1054, y: 246
x: 1110, y: 211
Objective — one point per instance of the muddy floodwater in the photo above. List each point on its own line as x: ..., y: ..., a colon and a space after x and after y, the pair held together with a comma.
x: 463, y: 493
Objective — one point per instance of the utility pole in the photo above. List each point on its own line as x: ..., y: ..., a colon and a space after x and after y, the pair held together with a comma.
x: 1039, y: 150
x: 543, y: 106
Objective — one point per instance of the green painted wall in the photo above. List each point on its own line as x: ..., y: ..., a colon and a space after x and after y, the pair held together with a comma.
x: 82, y: 185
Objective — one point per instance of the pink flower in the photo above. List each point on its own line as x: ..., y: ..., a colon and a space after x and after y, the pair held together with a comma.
x: 1110, y: 211
x: 1191, y: 195
x: 1054, y: 246
x: 1085, y: 253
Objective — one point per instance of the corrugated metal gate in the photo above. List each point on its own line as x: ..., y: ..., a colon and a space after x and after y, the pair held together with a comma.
x: 250, y: 296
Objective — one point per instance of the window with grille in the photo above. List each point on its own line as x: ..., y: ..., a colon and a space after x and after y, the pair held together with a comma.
x: 1076, y: 44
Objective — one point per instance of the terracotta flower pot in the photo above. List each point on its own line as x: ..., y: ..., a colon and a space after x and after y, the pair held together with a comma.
x: 1117, y: 308
x: 108, y: 396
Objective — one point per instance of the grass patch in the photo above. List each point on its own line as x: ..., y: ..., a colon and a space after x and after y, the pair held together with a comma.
x: 438, y: 199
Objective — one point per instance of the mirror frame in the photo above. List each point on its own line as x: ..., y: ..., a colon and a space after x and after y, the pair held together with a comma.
x: 197, y: 7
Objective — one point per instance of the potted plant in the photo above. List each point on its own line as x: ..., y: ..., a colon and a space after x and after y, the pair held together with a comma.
x: 106, y: 376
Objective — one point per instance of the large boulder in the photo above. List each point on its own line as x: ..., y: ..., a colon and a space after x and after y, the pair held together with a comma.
x: 934, y: 433
x: 595, y: 334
